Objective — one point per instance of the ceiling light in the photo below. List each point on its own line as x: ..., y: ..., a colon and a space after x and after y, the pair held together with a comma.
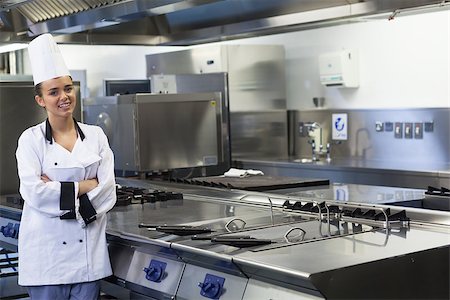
x: 12, y: 47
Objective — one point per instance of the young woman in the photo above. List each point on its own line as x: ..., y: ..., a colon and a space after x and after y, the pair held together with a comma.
x: 66, y: 172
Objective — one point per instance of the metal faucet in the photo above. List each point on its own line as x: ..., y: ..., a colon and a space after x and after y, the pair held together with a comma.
x: 328, y: 152
x: 311, y: 127
x: 313, y: 148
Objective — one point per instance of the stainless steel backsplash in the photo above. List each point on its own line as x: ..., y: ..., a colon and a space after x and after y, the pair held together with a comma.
x: 257, y: 135
x: 364, y: 142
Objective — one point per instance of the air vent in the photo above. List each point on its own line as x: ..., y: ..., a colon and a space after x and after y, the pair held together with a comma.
x: 43, y: 10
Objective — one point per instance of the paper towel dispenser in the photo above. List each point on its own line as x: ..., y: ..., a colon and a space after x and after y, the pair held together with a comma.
x: 339, y: 69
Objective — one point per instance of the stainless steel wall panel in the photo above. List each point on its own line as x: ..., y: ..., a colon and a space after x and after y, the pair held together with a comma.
x: 256, y: 87
x: 365, y: 143
x: 114, y: 116
x: 159, y: 132
x: 259, y: 135
x: 206, y: 83
x: 178, y: 131
x: 194, y: 61
x: 256, y: 73
x: 256, y: 77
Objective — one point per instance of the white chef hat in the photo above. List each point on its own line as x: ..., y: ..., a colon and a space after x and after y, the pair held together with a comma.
x: 46, y: 59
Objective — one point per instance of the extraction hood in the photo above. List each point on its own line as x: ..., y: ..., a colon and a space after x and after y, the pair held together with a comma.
x: 185, y: 22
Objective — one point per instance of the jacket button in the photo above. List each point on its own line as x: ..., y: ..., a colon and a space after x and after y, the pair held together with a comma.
x: 56, y: 163
x: 81, y: 241
x: 64, y: 243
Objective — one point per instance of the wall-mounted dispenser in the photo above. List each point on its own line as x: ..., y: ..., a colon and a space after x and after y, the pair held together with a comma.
x: 339, y: 69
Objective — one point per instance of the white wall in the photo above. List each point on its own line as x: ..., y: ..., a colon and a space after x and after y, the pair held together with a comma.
x: 403, y: 63
x: 109, y: 62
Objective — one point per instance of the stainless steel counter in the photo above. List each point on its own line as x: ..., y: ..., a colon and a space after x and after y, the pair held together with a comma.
x: 358, y: 263
x: 311, y: 254
x: 358, y: 193
x: 327, y: 261
x: 372, y: 172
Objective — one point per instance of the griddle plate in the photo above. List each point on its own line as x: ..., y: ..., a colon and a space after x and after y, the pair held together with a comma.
x: 257, y: 183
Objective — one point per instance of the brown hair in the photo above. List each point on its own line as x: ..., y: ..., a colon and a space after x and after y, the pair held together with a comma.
x: 38, y: 88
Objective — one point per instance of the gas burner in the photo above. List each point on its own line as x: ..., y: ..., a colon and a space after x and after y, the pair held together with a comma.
x: 131, y: 195
x: 432, y: 191
x: 305, y: 207
x: 350, y: 213
x: 15, y: 199
x: 373, y: 215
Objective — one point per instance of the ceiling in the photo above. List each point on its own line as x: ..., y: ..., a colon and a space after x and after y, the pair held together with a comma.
x: 186, y: 22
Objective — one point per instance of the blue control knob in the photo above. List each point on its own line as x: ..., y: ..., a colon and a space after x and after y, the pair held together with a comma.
x: 3, y: 230
x: 212, y: 286
x: 10, y: 230
x: 155, y: 271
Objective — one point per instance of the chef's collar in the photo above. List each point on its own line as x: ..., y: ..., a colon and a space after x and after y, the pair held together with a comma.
x: 49, y: 135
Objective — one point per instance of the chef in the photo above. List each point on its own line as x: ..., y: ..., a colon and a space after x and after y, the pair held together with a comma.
x: 66, y: 172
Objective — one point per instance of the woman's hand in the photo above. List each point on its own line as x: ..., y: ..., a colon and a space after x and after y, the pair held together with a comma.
x: 86, y: 186
x: 44, y: 178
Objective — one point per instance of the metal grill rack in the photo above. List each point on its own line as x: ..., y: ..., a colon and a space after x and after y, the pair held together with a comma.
x: 351, y: 213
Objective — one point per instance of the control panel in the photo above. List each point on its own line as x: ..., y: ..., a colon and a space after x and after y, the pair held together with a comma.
x: 212, y: 286
x: 204, y: 283
x: 9, y: 234
x: 160, y: 274
x: 405, y: 130
x: 10, y: 230
x: 155, y: 271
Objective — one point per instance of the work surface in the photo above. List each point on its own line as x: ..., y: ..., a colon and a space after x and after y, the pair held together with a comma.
x: 338, y: 249
x: 299, y: 242
x: 257, y: 183
x: 354, y: 171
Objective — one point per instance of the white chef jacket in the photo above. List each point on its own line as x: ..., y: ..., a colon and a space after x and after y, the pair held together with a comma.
x: 54, y: 250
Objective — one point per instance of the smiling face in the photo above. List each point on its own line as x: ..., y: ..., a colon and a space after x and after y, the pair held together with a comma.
x: 58, y: 97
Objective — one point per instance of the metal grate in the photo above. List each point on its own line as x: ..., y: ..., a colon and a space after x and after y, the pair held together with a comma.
x: 43, y: 10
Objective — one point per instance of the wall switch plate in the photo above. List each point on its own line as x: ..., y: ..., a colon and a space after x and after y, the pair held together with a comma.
x: 429, y: 126
x: 388, y: 126
x: 398, y: 130
x: 408, y: 130
x: 379, y: 126
x: 418, y: 130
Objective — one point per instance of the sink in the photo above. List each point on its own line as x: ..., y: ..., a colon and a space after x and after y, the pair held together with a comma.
x: 304, y: 160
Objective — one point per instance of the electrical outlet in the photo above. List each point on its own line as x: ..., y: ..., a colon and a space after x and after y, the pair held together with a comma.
x: 398, y: 130
x: 418, y: 130
x: 408, y: 130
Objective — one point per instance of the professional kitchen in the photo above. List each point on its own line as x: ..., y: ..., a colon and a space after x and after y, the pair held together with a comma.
x: 260, y: 149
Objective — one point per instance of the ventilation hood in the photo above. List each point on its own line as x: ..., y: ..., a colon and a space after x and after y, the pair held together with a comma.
x: 186, y: 22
